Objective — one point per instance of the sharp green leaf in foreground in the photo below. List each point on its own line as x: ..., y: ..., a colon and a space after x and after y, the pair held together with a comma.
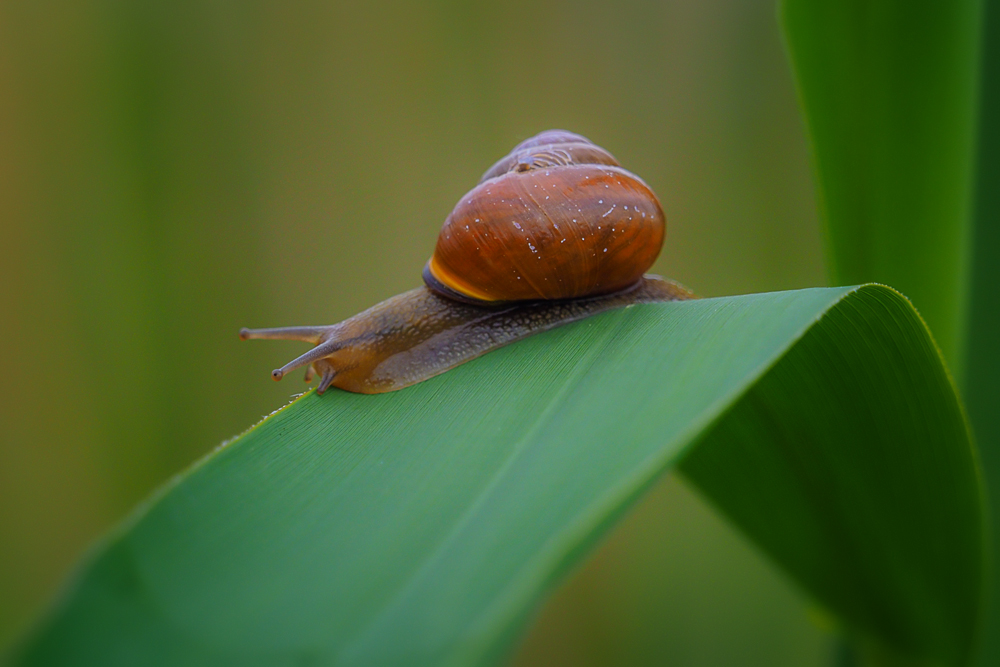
x: 423, y: 527
x: 889, y: 93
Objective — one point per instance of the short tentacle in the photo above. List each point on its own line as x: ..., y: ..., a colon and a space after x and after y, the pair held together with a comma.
x: 326, y: 380
x: 310, y: 372
x: 305, y: 334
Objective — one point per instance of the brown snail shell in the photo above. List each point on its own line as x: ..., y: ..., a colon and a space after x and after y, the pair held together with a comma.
x: 555, y: 219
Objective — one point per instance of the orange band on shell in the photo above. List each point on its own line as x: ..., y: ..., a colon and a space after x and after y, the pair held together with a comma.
x: 452, y: 281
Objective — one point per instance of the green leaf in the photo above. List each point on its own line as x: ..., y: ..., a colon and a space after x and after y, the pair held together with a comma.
x: 889, y: 91
x: 892, y: 91
x: 982, y: 375
x: 424, y: 526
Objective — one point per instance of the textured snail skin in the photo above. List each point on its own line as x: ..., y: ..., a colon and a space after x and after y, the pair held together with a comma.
x: 418, y: 334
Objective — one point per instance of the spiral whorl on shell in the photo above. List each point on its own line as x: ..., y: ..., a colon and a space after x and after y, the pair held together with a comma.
x: 557, y: 218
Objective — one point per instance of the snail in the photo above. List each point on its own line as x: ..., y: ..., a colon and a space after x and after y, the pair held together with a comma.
x: 554, y: 232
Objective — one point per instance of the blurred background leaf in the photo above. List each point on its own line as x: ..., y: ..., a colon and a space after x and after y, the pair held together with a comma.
x: 982, y: 374
x: 170, y: 172
x: 421, y: 527
x: 889, y: 90
x: 903, y: 105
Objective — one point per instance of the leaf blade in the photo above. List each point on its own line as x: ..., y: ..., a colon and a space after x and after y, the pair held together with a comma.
x: 423, y: 526
x: 881, y: 510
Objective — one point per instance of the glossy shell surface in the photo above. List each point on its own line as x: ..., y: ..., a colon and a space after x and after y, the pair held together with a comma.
x: 555, y: 219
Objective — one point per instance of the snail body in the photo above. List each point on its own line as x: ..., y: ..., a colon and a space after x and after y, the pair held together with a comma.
x: 556, y: 231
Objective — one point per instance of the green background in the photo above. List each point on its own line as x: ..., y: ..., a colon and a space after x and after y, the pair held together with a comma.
x: 170, y: 172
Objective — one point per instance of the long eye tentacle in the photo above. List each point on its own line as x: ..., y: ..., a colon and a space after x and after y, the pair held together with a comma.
x: 306, y: 334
